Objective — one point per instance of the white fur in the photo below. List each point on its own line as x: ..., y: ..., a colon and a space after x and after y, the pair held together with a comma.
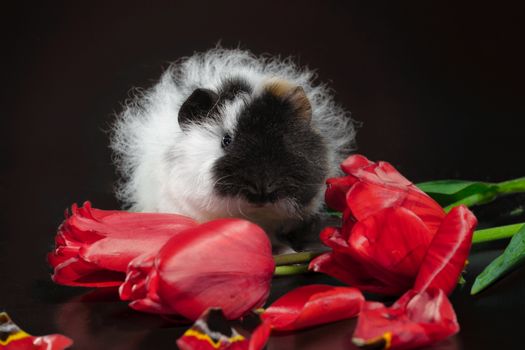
x: 166, y: 170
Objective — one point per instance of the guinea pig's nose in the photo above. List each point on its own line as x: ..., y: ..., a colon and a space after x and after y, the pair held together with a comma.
x: 261, y: 191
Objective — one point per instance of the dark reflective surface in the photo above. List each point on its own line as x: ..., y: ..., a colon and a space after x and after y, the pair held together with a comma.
x: 439, y: 89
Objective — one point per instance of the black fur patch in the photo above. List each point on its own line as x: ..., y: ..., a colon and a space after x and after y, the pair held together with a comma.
x: 274, y: 154
x: 197, y: 107
x: 232, y: 87
x: 204, y: 103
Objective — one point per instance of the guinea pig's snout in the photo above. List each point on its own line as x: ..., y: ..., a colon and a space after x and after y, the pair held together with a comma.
x: 260, y: 191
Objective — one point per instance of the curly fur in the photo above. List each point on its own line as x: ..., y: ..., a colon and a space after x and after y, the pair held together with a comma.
x: 164, y: 170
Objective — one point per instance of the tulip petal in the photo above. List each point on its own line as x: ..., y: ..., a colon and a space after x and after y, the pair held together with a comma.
x: 126, y: 225
x: 448, y: 251
x: 349, y: 271
x: 427, y: 209
x: 313, y: 305
x: 13, y: 338
x: 336, y: 189
x: 390, y: 245
x: 79, y: 273
x: 355, y: 162
x: 51, y: 342
x: 260, y: 336
x: 115, y: 254
x: 94, y: 247
x: 416, y: 319
x: 212, y: 331
x: 334, y: 238
x: 366, y: 199
x: 379, y: 173
x: 88, y: 225
x: 382, y: 173
x: 389, y: 175
x: 225, y: 263
x: 134, y: 287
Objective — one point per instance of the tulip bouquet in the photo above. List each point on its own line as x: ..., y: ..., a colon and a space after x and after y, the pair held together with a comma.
x: 394, y: 238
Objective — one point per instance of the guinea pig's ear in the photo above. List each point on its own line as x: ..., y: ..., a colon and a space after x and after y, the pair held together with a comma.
x: 293, y: 94
x: 197, y: 107
x: 297, y: 97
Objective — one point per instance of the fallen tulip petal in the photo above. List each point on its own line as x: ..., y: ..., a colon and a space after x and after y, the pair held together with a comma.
x: 212, y: 331
x: 416, y: 319
x: 94, y: 247
x: 448, y: 251
x: 13, y: 338
x: 260, y: 336
x: 225, y: 263
x: 51, y: 342
x: 313, y: 305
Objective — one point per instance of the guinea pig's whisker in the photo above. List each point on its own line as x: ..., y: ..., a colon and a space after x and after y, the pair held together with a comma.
x: 224, y: 183
x: 289, y: 206
x: 228, y: 207
x: 292, y: 185
x: 240, y: 210
x: 219, y: 181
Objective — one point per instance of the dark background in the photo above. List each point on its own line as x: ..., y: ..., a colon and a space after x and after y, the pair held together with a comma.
x: 438, y: 87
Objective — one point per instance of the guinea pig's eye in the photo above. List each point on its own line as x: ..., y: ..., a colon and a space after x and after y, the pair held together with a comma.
x: 226, y: 140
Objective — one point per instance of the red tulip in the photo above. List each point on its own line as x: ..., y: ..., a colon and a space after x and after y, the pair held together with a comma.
x: 391, y: 230
x: 313, y: 305
x: 416, y: 319
x: 225, y: 263
x: 94, y: 247
x: 13, y: 338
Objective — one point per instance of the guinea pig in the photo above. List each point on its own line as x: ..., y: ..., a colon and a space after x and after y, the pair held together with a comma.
x: 225, y: 133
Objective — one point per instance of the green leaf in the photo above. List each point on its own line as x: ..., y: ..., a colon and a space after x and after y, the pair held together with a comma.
x: 446, y: 192
x: 512, y: 257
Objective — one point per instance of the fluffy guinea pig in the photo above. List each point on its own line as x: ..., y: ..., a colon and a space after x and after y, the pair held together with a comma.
x: 225, y: 133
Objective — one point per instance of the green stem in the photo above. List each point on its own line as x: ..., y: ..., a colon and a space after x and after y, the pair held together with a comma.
x: 505, y: 187
x: 475, y: 199
x: 494, y: 233
x: 512, y: 186
x: 290, y: 270
x: 294, y: 258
